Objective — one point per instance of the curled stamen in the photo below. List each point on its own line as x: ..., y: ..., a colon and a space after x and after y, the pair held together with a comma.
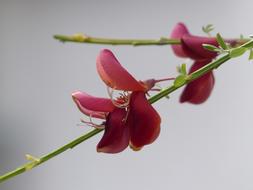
x: 157, y: 88
x: 122, y: 101
x: 92, y: 124
x: 126, y: 93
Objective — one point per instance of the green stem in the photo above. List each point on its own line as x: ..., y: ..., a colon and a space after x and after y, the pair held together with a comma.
x: 80, y: 38
x: 165, y: 92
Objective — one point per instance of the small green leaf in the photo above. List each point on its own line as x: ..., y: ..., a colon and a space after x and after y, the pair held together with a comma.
x: 210, y: 27
x: 211, y: 47
x: 251, y: 54
x: 180, y: 80
x: 221, y: 41
x: 207, y: 29
x: 236, y: 52
x: 183, y: 69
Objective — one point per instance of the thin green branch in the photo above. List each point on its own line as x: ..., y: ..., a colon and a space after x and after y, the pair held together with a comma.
x: 163, y: 93
x: 81, y: 38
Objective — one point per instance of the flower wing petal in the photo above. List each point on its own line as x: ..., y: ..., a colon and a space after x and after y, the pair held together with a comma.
x: 114, y: 75
x: 116, y: 135
x: 198, y: 91
x: 91, y: 105
x: 178, y: 32
x: 192, y: 46
x: 144, y: 121
x: 95, y: 114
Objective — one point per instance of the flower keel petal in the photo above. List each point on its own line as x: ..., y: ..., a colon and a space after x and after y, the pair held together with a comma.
x: 116, y: 135
x: 199, y: 90
x: 144, y: 121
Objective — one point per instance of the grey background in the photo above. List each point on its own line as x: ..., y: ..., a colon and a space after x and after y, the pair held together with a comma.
x: 200, y: 147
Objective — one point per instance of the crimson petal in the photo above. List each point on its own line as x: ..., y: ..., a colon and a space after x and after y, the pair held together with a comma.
x: 116, y: 135
x: 95, y: 114
x: 193, y: 47
x: 91, y: 105
x: 144, y: 121
x: 178, y: 32
x: 198, y: 91
x: 114, y: 75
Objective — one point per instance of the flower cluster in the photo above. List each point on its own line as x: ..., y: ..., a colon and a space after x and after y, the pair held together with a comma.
x: 129, y: 119
x: 199, y: 90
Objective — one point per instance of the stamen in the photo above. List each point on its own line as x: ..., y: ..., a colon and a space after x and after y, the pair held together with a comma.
x: 158, y: 88
x: 126, y: 93
x: 92, y: 124
x: 122, y: 101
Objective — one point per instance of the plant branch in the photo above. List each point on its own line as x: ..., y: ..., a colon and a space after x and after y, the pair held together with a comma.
x: 163, y: 93
x: 82, y: 38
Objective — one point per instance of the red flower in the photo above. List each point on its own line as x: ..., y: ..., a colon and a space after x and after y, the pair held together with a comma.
x: 130, y: 119
x: 199, y: 90
x: 191, y: 46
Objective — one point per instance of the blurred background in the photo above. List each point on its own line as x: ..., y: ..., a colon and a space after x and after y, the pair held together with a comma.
x: 200, y: 147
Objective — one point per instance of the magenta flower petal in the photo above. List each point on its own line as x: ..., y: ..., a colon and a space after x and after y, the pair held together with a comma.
x: 192, y: 46
x: 144, y: 121
x: 198, y: 91
x: 91, y: 105
x: 114, y: 75
x: 178, y: 32
x: 95, y: 114
x: 116, y: 135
